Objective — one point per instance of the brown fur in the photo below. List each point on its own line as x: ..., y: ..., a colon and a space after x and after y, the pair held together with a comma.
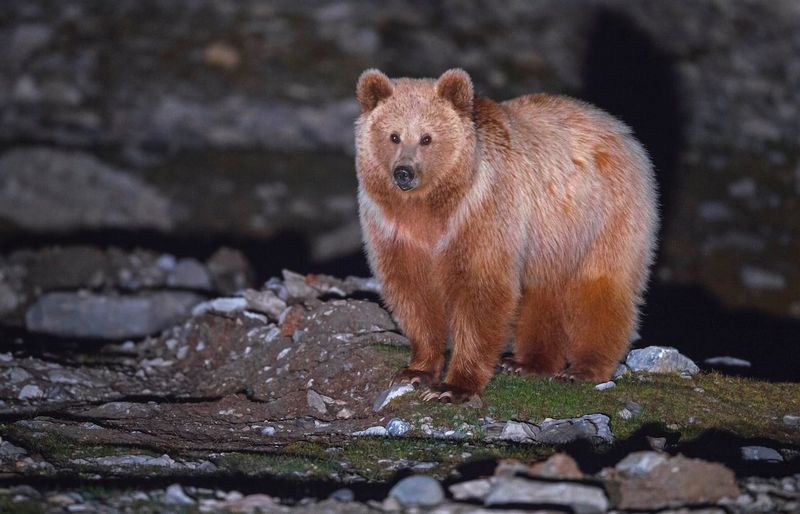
x: 534, y: 217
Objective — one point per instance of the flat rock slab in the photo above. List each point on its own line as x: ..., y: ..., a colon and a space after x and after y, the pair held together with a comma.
x: 650, y: 481
x: 109, y: 317
x: 592, y: 427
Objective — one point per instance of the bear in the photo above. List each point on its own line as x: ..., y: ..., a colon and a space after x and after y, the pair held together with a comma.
x: 532, y: 219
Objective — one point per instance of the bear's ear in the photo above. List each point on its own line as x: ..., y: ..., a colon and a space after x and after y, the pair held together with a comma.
x: 455, y: 86
x: 373, y: 86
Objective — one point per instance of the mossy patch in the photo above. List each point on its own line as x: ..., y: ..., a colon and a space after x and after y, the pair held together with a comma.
x: 746, y: 407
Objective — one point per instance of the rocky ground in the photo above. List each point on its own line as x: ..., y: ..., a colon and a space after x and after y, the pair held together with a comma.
x: 134, y: 381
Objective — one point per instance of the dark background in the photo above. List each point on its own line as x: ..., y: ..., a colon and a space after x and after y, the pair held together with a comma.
x: 185, y: 126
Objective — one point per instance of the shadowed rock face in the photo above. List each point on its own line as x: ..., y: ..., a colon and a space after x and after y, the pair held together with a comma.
x: 127, y: 117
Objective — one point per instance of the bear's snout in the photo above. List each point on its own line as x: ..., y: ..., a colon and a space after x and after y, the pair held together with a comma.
x: 404, y: 177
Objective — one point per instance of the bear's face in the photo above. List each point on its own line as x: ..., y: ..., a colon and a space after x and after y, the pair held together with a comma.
x: 413, y: 132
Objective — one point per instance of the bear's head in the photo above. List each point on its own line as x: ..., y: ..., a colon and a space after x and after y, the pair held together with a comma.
x: 414, y: 136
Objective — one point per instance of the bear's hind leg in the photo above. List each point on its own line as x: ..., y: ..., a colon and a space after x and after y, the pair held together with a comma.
x: 600, y: 316
x: 540, y: 342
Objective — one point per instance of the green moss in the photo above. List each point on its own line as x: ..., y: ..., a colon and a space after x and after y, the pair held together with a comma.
x: 746, y: 407
x: 280, y: 464
x: 8, y: 506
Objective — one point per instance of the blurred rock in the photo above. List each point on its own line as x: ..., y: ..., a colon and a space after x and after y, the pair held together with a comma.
x: 230, y: 270
x: 418, y: 491
x: 51, y: 190
x: 580, y: 498
x: 397, y: 427
x: 558, y: 465
x: 727, y: 361
x: 108, y: 317
x: 760, y: 453
x: 654, y: 481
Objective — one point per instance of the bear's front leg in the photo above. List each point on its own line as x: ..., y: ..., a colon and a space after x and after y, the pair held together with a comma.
x: 482, y: 305
x: 410, y: 289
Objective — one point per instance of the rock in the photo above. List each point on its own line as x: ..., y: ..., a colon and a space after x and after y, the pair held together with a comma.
x: 343, y: 495
x: 266, y: 302
x: 762, y: 279
x: 660, y: 359
x: 175, y: 495
x: 189, y: 274
x: 296, y: 287
x: 109, y: 317
x: 9, y: 300
x: 727, y: 361
x: 653, y: 481
x: 47, y: 189
x: 605, y: 385
x: 761, y: 453
x: 418, y: 491
x: 791, y: 421
x: 397, y: 427
x: 471, y: 490
x: 591, y: 427
x: 640, y: 463
x: 30, y: 392
x: 519, y: 432
x: 344, y: 413
x: 220, y: 305
x: 581, y: 498
x: 657, y: 443
x: 221, y: 54
x: 395, y: 391
x: 559, y: 465
x: 230, y: 270
x: 10, y: 452
x: 621, y: 371
x: 316, y: 402
x: 376, y: 431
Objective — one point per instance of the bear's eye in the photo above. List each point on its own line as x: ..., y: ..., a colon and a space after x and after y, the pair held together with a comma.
x: 426, y: 140
x: 395, y: 139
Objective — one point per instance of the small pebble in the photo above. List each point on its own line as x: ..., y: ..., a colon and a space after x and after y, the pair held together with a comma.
x: 398, y: 427
x: 605, y: 385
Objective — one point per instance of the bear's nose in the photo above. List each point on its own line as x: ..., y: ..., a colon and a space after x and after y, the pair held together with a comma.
x: 404, y: 177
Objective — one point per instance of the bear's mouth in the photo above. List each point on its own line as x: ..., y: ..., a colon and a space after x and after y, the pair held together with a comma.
x: 405, y: 177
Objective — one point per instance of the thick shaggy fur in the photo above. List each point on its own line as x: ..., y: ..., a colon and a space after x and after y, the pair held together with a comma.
x: 533, y: 218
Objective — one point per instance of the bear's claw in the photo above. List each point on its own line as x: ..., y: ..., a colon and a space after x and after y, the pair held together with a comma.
x: 446, y: 393
x: 414, y: 377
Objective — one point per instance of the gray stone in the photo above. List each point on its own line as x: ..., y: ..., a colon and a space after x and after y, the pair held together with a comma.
x: 640, y: 463
x: 109, y: 317
x: 30, y: 392
x: 46, y: 189
x: 761, y: 453
x: 265, y: 301
x: 9, y: 451
x: 9, y: 300
x: 175, y: 495
x: 581, y: 498
x: 376, y: 431
x: 660, y: 359
x: 220, y: 305
x: 296, y: 287
x: 471, y: 489
x: 791, y: 421
x: 189, y: 274
x: 418, y: 491
x: 395, y: 391
x: 316, y: 402
x: 605, y: 385
x: 397, y: 427
x: 343, y: 495
x: 621, y: 371
x: 592, y: 427
x: 727, y: 361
